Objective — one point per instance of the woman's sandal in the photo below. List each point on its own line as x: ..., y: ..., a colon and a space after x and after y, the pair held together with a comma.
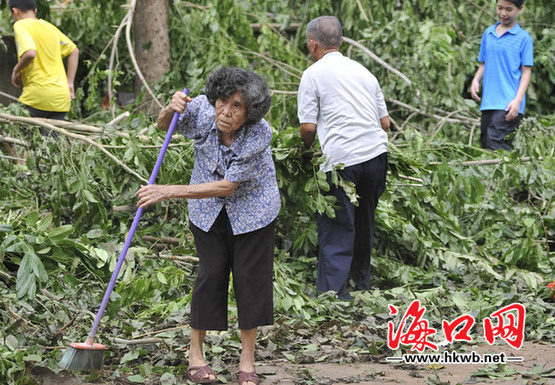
x: 248, y: 377
x: 199, y: 375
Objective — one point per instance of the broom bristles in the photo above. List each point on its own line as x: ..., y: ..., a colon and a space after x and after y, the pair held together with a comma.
x: 83, y: 357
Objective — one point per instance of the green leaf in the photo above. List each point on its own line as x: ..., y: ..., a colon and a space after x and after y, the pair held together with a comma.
x: 60, y: 233
x: 290, y: 357
x: 102, y: 255
x: 44, y: 223
x: 168, y: 379
x: 33, y: 357
x: 38, y: 268
x: 162, y: 278
x: 137, y: 378
x: 32, y: 219
x: 89, y: 197
x: 129, y: 356
x: 26, y: 280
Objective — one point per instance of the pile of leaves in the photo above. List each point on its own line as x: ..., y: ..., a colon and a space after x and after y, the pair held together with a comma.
x: 462, y: 229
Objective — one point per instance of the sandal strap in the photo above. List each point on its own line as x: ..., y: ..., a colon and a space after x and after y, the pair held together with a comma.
x: 248, y: 377
x: 200, y: 372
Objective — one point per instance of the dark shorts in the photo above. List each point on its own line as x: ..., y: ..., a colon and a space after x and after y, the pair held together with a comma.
x: 36, y: 113
x: 250, y: 259
x: 495, y: 130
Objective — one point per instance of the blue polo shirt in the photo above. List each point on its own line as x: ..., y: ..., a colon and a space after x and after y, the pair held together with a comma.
x: 503, y: 58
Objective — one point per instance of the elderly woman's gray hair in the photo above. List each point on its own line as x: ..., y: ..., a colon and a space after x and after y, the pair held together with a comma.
x: 253, y: 88
x: 326, y: 30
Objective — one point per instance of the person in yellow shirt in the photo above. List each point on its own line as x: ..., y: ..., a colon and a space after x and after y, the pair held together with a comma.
x: 41, y: 48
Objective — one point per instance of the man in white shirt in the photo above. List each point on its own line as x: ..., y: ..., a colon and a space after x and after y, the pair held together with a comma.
x: 342, y: 102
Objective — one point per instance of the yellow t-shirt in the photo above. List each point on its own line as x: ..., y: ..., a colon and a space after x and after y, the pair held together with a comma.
x: 44, y: 80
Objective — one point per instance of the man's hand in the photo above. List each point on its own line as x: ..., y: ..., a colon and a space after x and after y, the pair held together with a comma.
x: 475, y: 86
x: 26, y: 59
x: 474, y: 89
x: 512, y: 110
x: 71, y: 91
x: 308, y: 134
x: 16, y: 78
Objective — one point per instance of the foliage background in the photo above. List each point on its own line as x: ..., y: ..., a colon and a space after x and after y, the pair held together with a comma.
x: 461, y: 229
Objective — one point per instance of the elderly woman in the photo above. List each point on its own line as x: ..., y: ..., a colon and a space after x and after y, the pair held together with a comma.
x: 233, y: 202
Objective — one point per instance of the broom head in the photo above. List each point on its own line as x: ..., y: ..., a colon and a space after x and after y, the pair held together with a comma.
x: 83, y: 357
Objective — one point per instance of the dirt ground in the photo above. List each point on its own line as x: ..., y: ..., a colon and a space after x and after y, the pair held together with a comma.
x: 381, y: 372
x: 393, y: 373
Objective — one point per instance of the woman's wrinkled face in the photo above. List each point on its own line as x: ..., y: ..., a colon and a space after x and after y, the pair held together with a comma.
x: 231, y: 113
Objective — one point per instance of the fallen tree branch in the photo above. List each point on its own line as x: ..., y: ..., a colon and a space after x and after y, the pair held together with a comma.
x: 71, y: 305
x: 126, y: 135
x: 390, y: 68
x: 13, y: 158
x: 125, y: 208
x: 18, y: 316
x: 410, y: 178
x: 292, y: 27
x: 132, y: 53
x: 118, y: 119
x: 376, y: 58
x: 407, y: 185
x: 72, y: 125
x: 7, y: 275
x: 142, y: 341
x: 11, y: 97
x: 7, y: 139
x: 280, y: 65
x: 38, y: 122
x: 170, y: 240
x: 185, y: 258
x: 484, y: 10
x: 461, y: 117
x: 112, y: 58
x: 471, y: 137
x: 441, y: 123
x: 121, y: 147
x: 485, y: 162
x: 162, y: 331
x: 361, y: 9
x: 460, y: 120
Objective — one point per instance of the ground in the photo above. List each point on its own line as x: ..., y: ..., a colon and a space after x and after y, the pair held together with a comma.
x: 388, y: 373
x: 377, y: 371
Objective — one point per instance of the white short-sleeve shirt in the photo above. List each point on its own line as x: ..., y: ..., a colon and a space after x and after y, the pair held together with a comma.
x: 346, y: 103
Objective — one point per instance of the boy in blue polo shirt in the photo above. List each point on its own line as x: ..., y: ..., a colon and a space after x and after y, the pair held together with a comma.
x: 506, y: 56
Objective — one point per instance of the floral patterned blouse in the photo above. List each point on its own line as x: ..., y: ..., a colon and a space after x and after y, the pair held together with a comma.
x: 255, y: 203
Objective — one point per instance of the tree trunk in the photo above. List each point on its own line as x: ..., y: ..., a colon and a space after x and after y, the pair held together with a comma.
x: 152, y: 43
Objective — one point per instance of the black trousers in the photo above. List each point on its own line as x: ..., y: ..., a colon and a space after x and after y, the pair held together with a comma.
x: 495, y: 129
x: 36, y: 113
x: 345, y: 242
x: 250, y: 259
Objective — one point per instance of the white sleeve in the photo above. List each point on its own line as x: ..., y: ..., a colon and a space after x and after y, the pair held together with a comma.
x: 307, y: 101
x: 380, y: 101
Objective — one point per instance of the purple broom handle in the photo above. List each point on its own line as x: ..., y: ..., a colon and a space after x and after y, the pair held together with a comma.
x: 134, y: 225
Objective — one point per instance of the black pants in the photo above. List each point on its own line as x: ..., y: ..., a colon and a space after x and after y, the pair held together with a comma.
x: 36, y: 113
x: 250, y: 259
x: 345, y: 242
x: 495, y: 129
